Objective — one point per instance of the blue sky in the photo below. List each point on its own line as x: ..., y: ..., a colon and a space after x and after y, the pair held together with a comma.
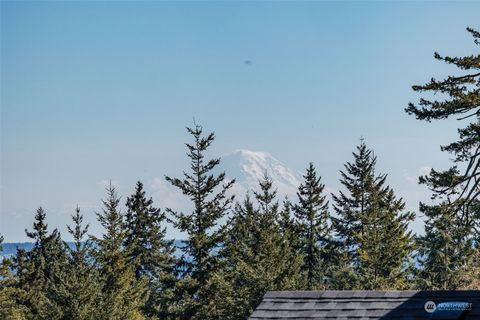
x: 92, y: 91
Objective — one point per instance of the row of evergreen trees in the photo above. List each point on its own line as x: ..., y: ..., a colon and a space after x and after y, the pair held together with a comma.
x: 133, y: 272
x: 222, y: 270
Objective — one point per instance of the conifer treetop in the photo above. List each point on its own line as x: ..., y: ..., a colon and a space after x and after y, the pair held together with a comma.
x: 460, y: 98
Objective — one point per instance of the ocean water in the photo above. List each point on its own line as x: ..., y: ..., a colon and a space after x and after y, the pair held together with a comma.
x: 10, y: 248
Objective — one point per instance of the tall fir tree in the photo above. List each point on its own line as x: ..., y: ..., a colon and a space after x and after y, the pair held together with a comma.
x: 273, y: 236
x: 150, y: 252
x: 373, y: 226
x: 460, y: 98
x: 443, y: 251
x: 260, y: 251
x: 38, y: 270
x: 208, y: 193
x: 447, y: 249
x: 385, y: 253
x: 470, y: 279
x: 123, y: 296
x: 11, y: 297
x: 236, y: 297
x: 349, y: 206
x: 79, y: 286
x: 314, y: 229
x: 290, y: 231
x: 452, y: 223
x: 289, y: 246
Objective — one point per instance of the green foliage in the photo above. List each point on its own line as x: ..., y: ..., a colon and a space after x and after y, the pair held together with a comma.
x: 79, y: 286
x: 373, y: 226
x: 314, y: 230
x: 443, y: 250
x: 259, y: 253
x: 342, y: 276
x: 470, y: 275
x: 123, y: 295
x: 10, y: 295
x: 150, y: 252
x: 459, y: 97
x: 211, y: 203
x: 38, y: 270
x: 131, y: 272
x: 446, y: 252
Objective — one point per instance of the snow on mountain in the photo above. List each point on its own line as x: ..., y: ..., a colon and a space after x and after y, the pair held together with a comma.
x: 248, y: 167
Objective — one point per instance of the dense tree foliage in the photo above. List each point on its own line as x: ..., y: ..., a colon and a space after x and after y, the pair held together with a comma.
x: 132, y: 272
x: 234, y: 253
x: 449, y: 250
x: 11, y: 296
x: 78, y: 285
x: 444, y: 249
x: 372, y: 225
x: 150, y: 252
x: 314, y: 229
x: 259, y: 253
x: 460, y: 98
x: 40, y: 269
x: 122, y: 294
x: 208, y: 193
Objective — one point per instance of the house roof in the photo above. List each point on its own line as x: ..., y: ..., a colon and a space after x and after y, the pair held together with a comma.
x: 368, y: 305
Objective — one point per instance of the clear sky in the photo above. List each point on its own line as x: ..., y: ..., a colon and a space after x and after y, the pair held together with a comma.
x: 92, y: 91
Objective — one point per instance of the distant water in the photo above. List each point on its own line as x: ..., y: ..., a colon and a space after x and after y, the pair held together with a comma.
x: 10, y: 248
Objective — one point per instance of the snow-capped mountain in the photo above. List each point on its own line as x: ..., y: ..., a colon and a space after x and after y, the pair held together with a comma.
x: 248, y: 167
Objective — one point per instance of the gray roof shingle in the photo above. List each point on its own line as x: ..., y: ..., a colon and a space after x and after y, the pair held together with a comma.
x: 366, y: 305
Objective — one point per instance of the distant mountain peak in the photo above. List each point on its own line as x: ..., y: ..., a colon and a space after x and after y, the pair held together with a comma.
x: 248, y: 167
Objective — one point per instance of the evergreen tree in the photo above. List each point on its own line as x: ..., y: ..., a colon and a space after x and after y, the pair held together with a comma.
x: 470, y: 275
x: 313, y: 222
x: 349, y: 207
x: 443, y: 251
x: 446, y: 251
x: 386, y: 245
x: 460, y: 98
x: 286, y: 275
x: 454, y: 221
x: 11, y: 296
x: 39, y: 268
x: 79, y: 287
x: 289, y: 246
x: 341, y: 275
x: 123, y: 295
x: 260, y: 252
x: 470, y: 279
x: 237, y: 298
x: 372, y: 226
x: 291, y: 239
x: 150, y: 252
x: 211, y: 203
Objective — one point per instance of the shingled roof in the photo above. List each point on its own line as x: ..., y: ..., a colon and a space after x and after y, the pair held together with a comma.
x: 368, y: 305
